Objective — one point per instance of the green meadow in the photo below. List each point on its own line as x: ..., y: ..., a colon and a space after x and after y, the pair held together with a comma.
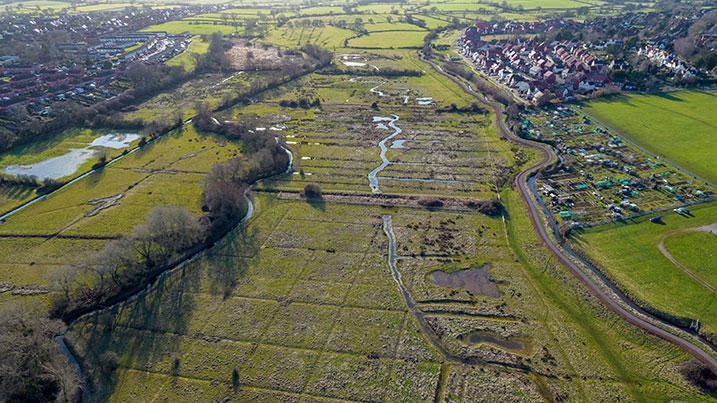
x: 678, y: 126
x: 628, y: 254
x: 64, y: 227
x: 186, y: 58
x: 697, y: 250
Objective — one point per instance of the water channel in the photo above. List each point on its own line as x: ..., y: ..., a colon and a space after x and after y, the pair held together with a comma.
x: 372, y: 179
x: 60, y: 339
x: 425, y: 327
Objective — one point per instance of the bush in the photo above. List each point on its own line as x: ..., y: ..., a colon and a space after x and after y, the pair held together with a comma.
x: 313, y: 191
x: 431, y: 203
x: 699, y: 375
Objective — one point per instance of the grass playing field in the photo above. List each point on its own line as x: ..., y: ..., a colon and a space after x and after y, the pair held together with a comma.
x: 628, y: 253
x: 679, y: 126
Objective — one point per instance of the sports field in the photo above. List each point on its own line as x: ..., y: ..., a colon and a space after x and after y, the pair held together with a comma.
x: 629, y: 254
x: 678, y: 126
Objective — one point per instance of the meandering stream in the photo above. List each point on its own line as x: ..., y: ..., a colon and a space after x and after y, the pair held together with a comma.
x: 372, y: 179
x: 60, y: 338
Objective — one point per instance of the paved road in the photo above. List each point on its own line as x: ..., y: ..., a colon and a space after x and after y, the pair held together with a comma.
x: 521, y: 184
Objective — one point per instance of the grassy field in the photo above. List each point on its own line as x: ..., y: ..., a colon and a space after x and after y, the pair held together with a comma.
x: 628, y: 254
x: 677, y: 126
x: 186, y: 58
x: 351, y: 336
x: 277, y: 282
x: 389, y: 40
x: 56, y: 146
x: 697, y: 251
x: 618, y: 345
x: 299, y: 302
x: 54, y: 231
x: 327, y: 36
x: 177, y: 27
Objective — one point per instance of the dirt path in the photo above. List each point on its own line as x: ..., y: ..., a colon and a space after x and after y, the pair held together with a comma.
x: 711, y: 228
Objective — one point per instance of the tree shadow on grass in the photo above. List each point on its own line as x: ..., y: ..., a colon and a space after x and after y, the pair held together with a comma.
x: 576, y: 236
x: 317, y: 203
x: 95, y: 177
x: 16, y: 192
x: 669, y: 96
x: 229, y: 260
x: 142, y: 331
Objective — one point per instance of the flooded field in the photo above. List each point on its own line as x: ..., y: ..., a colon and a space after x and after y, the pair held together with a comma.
x: 473, y: 280
x: 68, y: 164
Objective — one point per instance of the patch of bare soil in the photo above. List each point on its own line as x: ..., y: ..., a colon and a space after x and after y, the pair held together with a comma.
x: 5, y: 287
x: 245, y: 56
x: 102, y: 203
x: 30, y: 289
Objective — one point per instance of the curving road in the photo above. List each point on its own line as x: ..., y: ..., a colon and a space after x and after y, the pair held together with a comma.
x: 521, y: 184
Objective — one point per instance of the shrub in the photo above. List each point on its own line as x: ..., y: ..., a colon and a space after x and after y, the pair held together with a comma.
x: 699, y: 375
x: 313, y: 191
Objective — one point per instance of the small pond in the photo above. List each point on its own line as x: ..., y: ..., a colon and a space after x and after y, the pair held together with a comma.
x: 473, y: 280
x: 514, y: 344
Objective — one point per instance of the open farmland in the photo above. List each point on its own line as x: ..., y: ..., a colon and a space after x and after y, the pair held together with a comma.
x: 678, y: 126
x: 628, y: 253
x: 326, y: 36
x: 393, y: 261
x: 301, y: 302
x: 194, y: 27
x: 389, y: 40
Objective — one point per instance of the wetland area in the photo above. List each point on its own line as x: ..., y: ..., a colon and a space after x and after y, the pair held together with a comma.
x: 389, y: 258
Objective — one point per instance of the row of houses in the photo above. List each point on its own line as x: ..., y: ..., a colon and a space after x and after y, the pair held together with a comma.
x: 666, y: 59
x: 533, y: 68
x: 515, y: 27
x: 27, y: 83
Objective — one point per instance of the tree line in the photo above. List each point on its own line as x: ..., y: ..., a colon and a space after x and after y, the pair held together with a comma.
x: 145, y: 81
x: 33, y: 370
x: 170, y: 234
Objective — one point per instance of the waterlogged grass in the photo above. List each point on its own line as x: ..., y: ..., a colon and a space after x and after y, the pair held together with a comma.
x: 628, y: 254
x: 234, y: 308
x: 56, y: 146
x: 67, y: 206
x: 48, y: 234
x: 677, y: 126
x: 181, y: 102
x: 299, y: 315
x: 31, y: 260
